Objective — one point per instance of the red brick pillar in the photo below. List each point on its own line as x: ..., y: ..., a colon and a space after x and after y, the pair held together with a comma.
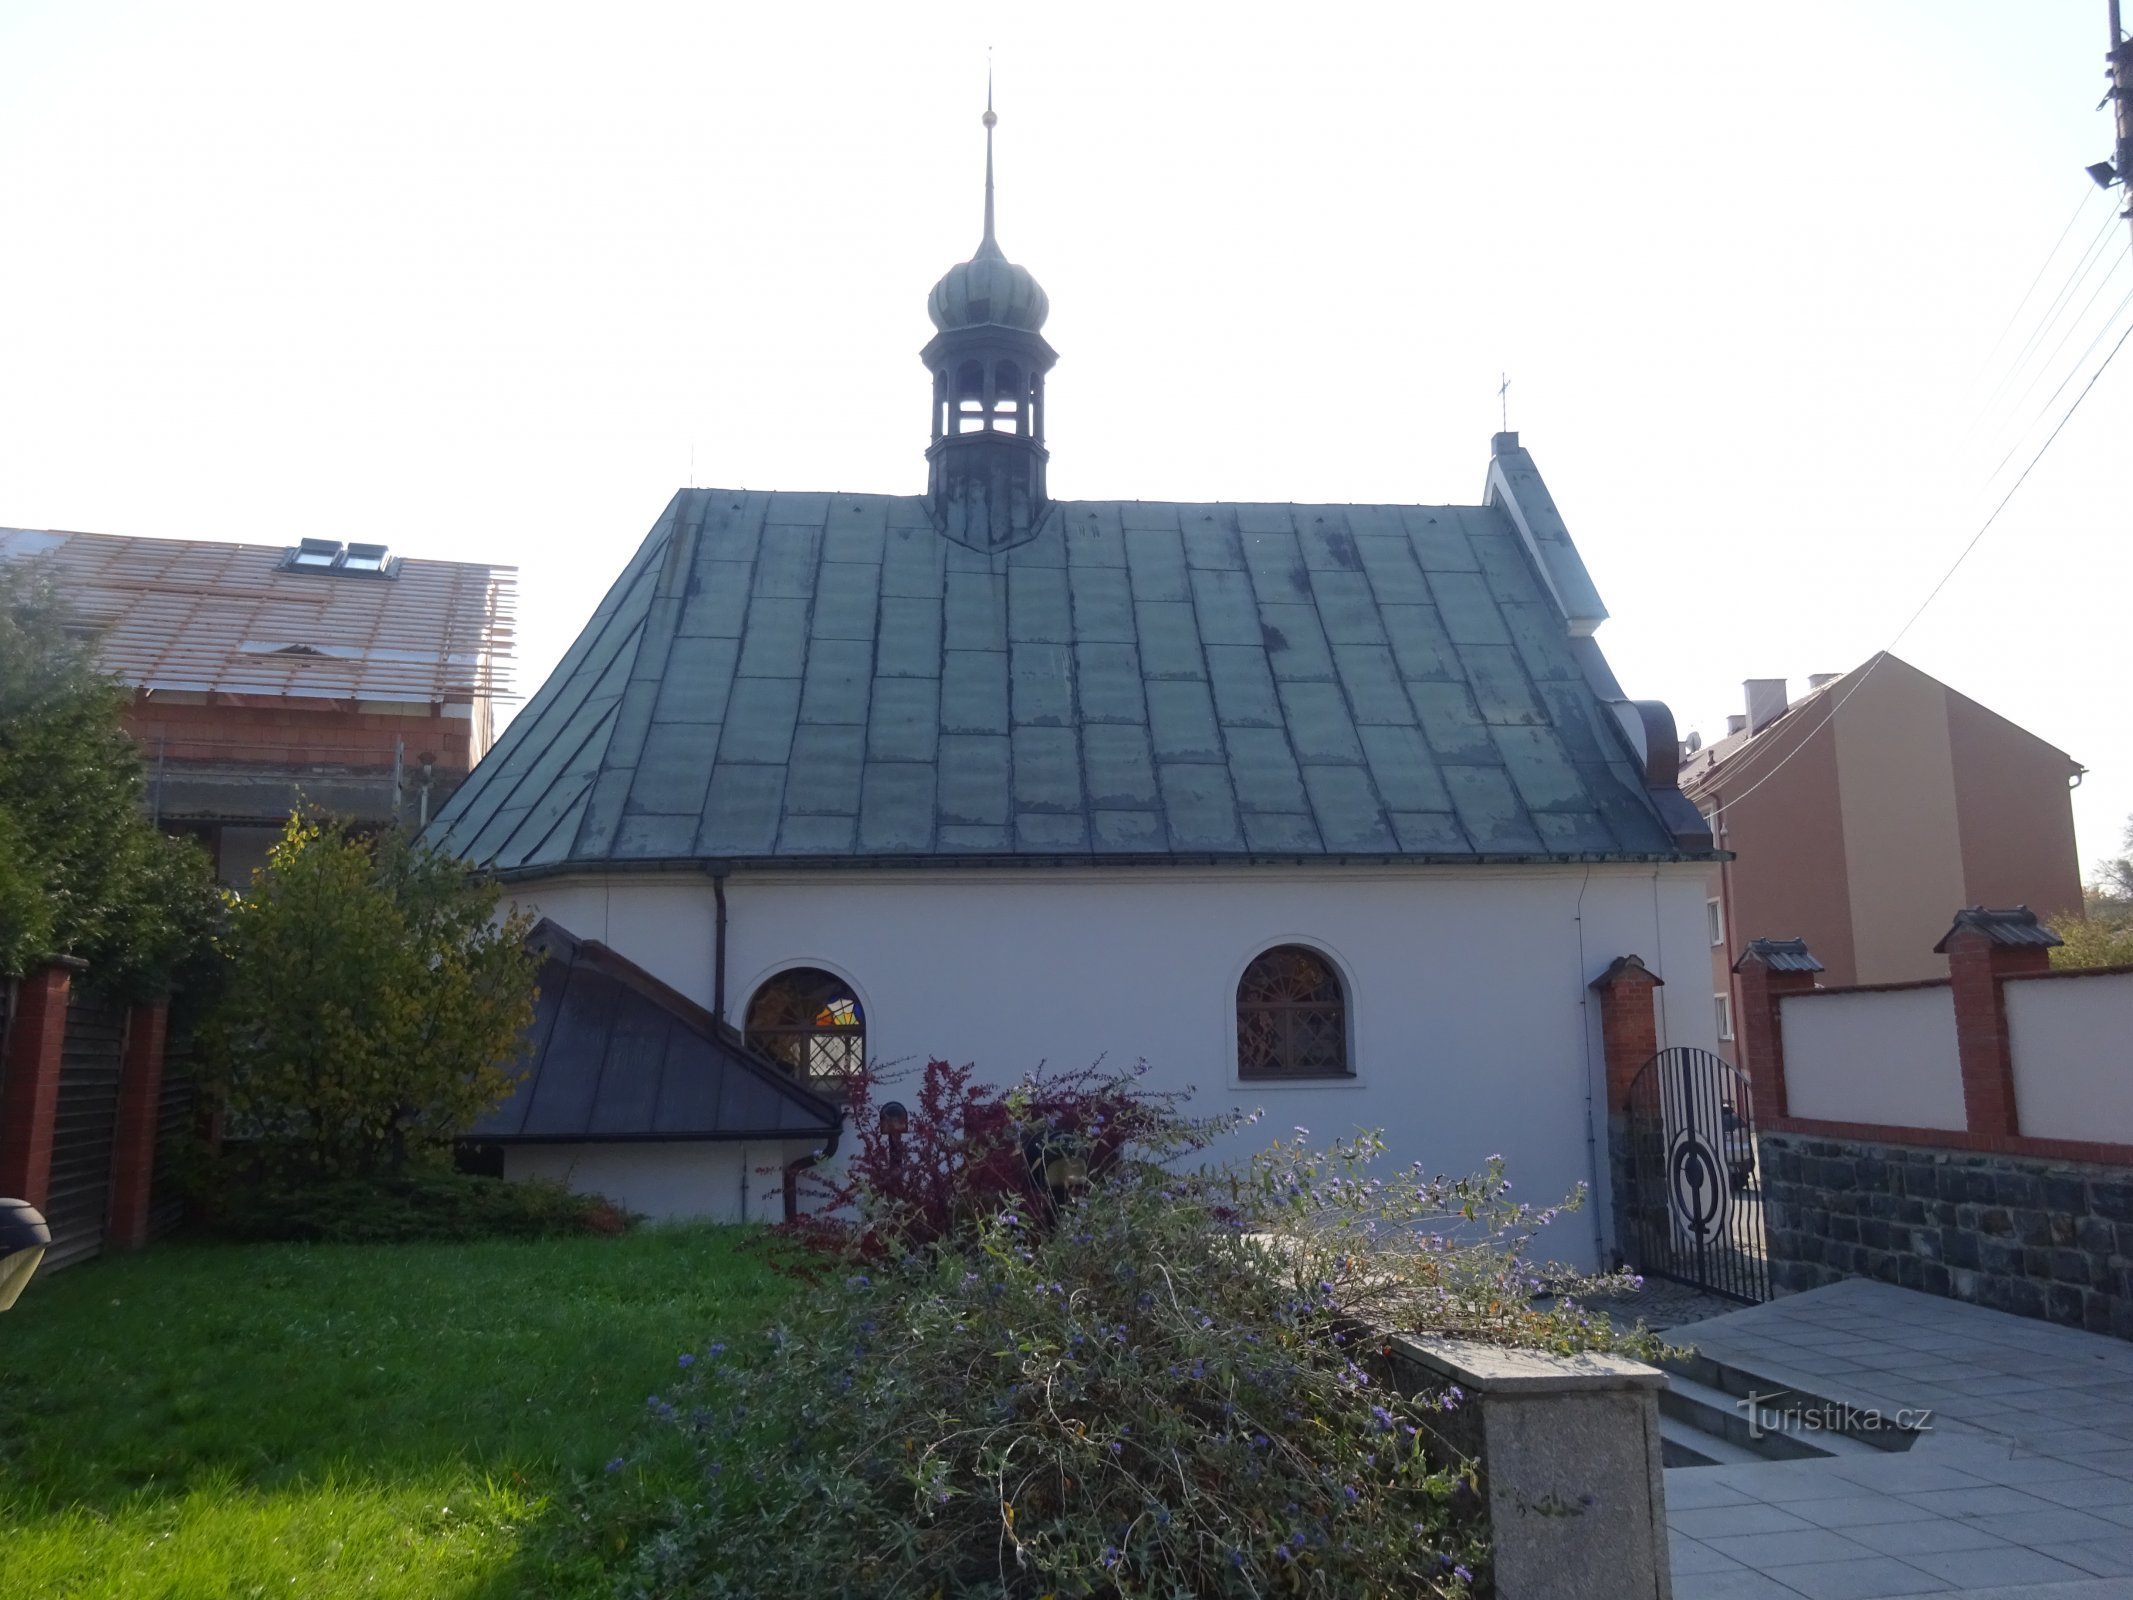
x: 140, y: 1115
x: 1629, y: 1024
x: 30, y: 1099
x: 1769, y: 969
x: 1982, y: 948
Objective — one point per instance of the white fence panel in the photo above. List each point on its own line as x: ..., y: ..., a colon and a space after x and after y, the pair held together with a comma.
x: 1875, y: 1055
x: 2072, y: 1043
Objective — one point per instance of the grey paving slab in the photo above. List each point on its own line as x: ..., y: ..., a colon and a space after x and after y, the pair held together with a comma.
x: 1691, y: 1491
x: 1752, y: 1516
x: 2059, y: 1525
x: 1976, y: 1568
x: 1769, y: 1551
x: 1859, y: 1510
x: 1781, y: 1481
x: 1860, y: 1579
x: 1734, y: 1583
x: 1989, y: 1500
x: 2116, y: 1463
x: 2085, y: 1492
x: 1930, y: 1536
x: 2035, y: 1472
x: 1689, y: 1555
x: 2107, y: 1558
x: 2022, y: 1484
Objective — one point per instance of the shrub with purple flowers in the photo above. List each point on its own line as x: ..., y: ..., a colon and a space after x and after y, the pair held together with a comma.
x: 1168, y: 1392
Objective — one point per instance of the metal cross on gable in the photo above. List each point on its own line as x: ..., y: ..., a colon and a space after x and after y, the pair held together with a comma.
x: 1503, y: 391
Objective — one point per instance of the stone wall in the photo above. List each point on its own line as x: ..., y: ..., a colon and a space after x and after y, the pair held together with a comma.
x: 2035, y: 1237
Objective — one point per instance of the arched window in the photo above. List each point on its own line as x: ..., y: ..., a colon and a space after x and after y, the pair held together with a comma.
x: 810, y: 1023
x: 1292, y: 1019
x: 970, y: 397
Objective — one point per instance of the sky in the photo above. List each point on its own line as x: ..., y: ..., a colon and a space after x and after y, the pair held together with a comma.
x: 1786, y: 295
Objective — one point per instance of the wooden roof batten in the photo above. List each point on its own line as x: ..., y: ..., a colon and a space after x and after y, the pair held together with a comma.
x: 201, y: 616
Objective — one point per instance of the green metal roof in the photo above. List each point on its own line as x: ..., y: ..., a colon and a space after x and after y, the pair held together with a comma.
x: 794, y: 676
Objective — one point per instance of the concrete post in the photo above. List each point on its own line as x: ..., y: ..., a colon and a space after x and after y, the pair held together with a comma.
x: 140, y: 1116
x: 1569, y: 1454
x: 30, y: 1100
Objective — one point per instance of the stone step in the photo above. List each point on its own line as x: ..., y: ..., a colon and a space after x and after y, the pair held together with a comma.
x: 1684, y: 1445
x: 1715, y: 1412
x: 1842, y: 1427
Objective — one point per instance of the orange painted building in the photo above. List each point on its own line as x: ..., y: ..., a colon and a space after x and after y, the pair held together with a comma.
x: 268, y: 676
x: 1864, y: 814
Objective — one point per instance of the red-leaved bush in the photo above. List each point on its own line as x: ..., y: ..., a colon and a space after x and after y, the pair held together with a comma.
x: 972, y: 1149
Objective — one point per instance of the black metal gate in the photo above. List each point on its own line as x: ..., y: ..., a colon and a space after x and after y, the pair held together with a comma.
x: 1694, y: 1199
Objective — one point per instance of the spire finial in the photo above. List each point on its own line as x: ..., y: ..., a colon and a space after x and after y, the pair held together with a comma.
x: 988, y: 246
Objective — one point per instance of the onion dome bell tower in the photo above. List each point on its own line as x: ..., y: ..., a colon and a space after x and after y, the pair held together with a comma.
x: 985, y: 483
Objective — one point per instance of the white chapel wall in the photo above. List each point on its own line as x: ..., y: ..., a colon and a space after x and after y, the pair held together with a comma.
x: 663, y: 1180
x: 1472, y: 1030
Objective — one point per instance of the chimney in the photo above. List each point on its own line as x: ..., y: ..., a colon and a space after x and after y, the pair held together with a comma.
x: 1766, y: 702
x: 1816, y: 680
x: 1736, y: 723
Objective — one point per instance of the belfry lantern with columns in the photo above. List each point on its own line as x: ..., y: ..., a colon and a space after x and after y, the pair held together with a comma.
x: 985, y: 484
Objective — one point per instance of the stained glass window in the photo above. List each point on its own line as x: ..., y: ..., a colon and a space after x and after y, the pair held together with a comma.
x: 810, y: 1023
x: 1292, y: 1019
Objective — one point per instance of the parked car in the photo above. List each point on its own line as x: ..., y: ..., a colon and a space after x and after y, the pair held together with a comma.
x: 1739, y: 1144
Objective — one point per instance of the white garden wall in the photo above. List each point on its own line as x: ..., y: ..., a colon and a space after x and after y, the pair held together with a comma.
x: 1873, y: 1055
x: 663, y: 1181
x: 1472, y: 1030
x: 2071, y: 1040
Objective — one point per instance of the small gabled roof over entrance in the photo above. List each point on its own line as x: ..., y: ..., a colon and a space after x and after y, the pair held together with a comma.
x: 614, y: 1054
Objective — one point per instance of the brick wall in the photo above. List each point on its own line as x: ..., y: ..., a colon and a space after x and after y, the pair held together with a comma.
x: 292, y: 734
x: 2035, y: 1237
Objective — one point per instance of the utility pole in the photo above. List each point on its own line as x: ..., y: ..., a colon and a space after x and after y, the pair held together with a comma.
x: 2119, y: 170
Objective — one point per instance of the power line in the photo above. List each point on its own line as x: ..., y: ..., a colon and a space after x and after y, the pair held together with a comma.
x: 2026, y: 471
x: 2080, y: 361
x: 2089, y: 257
x: 1933, y: 594
x: 2102, y: 283
x: 2088, y: 195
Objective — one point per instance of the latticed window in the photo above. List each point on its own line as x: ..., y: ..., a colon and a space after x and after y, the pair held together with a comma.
x: 809, y: 1022
x: 1292, y: 1020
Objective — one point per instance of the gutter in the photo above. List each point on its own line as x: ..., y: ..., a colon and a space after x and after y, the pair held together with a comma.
x: 1012, y: 861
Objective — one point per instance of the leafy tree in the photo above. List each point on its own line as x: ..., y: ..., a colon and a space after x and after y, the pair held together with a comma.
x: 2102, y: 936
x: 374, y: 1002
x: 82, y: 872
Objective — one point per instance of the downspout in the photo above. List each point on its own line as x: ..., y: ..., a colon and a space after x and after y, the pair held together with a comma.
x: 718, y: 942
x: 1600, y: 1198
x: 793, y: 1169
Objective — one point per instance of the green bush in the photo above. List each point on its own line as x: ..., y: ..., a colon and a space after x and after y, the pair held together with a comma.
x: 413, y: 1206
x: 376, y: 1004
x: 1166, y: 1389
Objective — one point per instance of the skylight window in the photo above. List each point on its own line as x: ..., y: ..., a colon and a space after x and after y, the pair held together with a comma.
x: 330, y: 555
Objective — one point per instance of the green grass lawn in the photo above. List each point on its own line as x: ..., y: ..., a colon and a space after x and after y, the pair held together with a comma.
x: 327, y: 1420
